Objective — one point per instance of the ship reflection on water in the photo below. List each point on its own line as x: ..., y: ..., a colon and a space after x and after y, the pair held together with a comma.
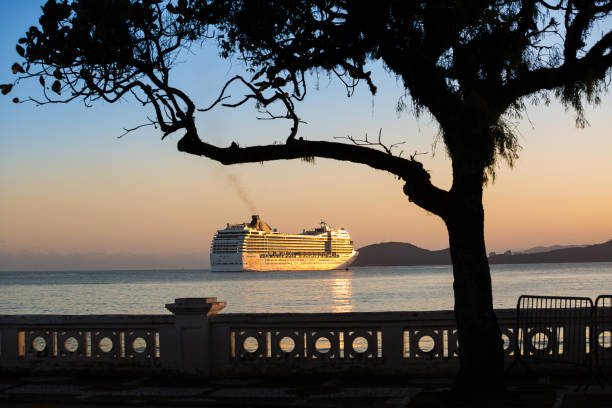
x: 342, y: 293
x: 342, y: 302
x: 340, y: 284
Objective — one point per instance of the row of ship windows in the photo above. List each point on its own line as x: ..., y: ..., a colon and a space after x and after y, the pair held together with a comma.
x: 285, y: 242
x: 264, y: 245
x: 283, y: 245
x: 280, y: 253
x: 289, y: 245
x: 256, y: 249
x: 313, y: 250
x: 297, y: 241
x: 291, y: 241
x: 277, y: 238
x: 321, y: 236
x: 272, y: 246
x: 280, y: 244
x: 300, y: 255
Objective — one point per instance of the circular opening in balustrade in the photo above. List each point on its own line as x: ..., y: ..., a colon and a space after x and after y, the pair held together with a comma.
x: 539, y: 341
x: 360, y: 344
x: 139, y: 345
x: 322, y: 345
x: 250, y: 344
x: 506, y: 340
x: 71, y: 344
x: 287, y: 344
x: 39, y: 343
x: 605, y: 339
x: 426, y: 344
x: 105, y: 345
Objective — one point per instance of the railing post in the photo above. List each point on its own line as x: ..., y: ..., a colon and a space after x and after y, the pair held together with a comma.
x: 393, y: 346
x: 187, y: 347
x: 9, y: 347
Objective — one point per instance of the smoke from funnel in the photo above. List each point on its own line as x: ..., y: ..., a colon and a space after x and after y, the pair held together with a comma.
x: 241, y: 191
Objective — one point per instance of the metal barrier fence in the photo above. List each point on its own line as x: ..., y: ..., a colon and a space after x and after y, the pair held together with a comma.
x: 554, y: 328
x: 602, y: 336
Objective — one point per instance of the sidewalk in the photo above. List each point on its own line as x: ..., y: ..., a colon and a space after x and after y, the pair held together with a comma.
x: 56, y: 391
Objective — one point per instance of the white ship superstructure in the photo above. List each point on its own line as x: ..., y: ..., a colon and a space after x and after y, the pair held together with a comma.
x: 255, y: 246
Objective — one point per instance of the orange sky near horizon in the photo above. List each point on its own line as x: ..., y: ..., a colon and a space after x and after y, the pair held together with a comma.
x: 160, y: 201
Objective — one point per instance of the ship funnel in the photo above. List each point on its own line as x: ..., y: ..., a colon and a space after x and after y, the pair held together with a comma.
x: 258, y: 224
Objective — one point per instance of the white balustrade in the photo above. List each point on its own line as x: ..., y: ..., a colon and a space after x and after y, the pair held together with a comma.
x: 196, y: 339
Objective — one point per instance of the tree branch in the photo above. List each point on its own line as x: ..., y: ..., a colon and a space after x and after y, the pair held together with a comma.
x: 594, y: 64
x: 418, y: 185
x: 366, y: 142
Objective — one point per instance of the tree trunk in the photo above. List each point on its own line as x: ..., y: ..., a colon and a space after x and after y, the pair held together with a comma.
x: 480, y: 344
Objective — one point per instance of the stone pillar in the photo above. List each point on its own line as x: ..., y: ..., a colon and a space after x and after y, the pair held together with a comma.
x: 10, y: 345
x: 187, y: 347
x: 393, y: 347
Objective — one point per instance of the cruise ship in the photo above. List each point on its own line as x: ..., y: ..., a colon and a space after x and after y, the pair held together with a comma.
x: 254, y: 246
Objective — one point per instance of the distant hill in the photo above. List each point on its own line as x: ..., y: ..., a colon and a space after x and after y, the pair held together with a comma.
x: 404, y: 254
x: 400, y: 253
x: 590, y: 253
x: 537, y: 249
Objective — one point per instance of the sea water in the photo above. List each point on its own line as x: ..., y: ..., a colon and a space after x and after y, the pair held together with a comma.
x: 364, y: 289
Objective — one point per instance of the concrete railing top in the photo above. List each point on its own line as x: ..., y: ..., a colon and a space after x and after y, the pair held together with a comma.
x: 37, y: 320
x: 349, y: 317
x: 221, y: 318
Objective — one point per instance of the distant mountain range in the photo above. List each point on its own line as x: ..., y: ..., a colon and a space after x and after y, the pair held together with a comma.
x: 588, y: 253
x: 404, y: 254
x: 547, y: 248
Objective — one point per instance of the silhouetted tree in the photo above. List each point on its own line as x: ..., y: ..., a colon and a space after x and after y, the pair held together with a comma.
x: 471, y: 65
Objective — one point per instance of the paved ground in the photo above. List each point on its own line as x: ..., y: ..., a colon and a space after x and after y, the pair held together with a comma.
x: 61, y: 391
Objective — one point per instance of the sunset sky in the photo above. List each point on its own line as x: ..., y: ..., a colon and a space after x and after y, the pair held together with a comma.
x: 73, y: 195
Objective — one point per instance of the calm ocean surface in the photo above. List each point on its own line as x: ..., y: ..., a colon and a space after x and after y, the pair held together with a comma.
x: 356, y: 290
